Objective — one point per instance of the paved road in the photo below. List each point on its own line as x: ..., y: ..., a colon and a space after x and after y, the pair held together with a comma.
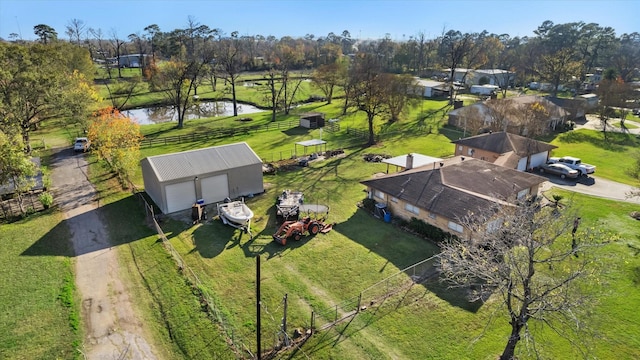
x: 594, y: 186
x: 594, y: 123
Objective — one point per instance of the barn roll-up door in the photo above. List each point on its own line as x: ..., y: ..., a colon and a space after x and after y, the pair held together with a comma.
x: 180, y: 196
x: 214, y: 188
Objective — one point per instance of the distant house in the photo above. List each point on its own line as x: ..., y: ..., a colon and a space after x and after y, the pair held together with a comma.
x: 505, y: 149
x: 430, y: 88
x: 178, y: 180
x: 591, y: 99
x: 454, y: 188
x: 133, y: 60
x: 497, y: 77
x: 469, y: 77
x: 514, y: 113
x: 575, y: 107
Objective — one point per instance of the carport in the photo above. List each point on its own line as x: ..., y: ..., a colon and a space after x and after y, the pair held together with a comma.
x: 316, y: 143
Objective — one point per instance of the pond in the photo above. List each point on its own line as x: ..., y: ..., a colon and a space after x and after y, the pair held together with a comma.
x: 205, y: 109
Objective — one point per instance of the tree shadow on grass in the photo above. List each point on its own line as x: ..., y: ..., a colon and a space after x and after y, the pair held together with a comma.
x: 615, y: 141
x: 297, y: 131
x: 383, y: 239
x: 124, y: 223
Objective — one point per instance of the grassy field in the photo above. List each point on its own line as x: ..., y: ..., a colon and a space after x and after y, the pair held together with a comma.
x: 423, y: 322
x: 39, y: 317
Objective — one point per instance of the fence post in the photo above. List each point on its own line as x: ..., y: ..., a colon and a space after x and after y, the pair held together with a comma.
x: 336, y: 319
x: 313, y: 320
x: 359, y: 302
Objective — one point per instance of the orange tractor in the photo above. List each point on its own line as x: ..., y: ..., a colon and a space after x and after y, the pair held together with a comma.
x: 296, y: 229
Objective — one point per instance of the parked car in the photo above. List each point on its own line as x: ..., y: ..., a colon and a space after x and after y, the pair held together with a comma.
x: 575, y: 164
x: 81, y: 144
x: 559, y: 169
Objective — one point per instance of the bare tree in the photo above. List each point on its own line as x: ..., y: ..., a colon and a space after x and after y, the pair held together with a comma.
x: 75, y: 30
x: 473, y: 121
x: 370, y: 91
x: 398, y: 97
x: 327, y: 77
x: 613, y: 94
x: 139, y: 43
x: 229, y: 60
x: 103, y: 52
x: 535, y: 258
x: 454, y: 46
x: 117, y: 44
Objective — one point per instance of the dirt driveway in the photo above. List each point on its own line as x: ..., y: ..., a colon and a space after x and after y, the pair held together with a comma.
x: 112, y: 328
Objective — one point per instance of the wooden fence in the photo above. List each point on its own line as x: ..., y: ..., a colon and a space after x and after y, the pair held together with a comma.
x: 218, y: 133
x: 10, y: 208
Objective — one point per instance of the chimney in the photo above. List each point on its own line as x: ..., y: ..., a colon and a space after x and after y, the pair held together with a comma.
x: 409, y: 165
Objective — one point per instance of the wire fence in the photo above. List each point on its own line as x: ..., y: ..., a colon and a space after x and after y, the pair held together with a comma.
x: 321, y: 318
x: 324, y: 318
x: 236, y: 344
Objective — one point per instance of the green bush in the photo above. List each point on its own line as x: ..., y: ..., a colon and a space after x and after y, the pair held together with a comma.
x: 369, y: 204
x: 429, y: 231
x: 46, y: 199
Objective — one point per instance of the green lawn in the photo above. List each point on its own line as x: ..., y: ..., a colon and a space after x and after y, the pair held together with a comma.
x: 423, y: 322
x: 626, y: 124
x: 611, y: 157
x: 360, y: 251
x: 39, y: 310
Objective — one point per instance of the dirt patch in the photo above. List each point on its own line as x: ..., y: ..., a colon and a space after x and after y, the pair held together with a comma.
x: 112, y: 328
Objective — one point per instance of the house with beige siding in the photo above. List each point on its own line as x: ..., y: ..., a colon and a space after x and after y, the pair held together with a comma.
x: 524, y: 115
x: 443, y: 193
x: 505, y: 149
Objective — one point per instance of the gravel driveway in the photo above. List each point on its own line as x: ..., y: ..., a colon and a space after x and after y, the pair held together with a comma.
x: 112, y: 328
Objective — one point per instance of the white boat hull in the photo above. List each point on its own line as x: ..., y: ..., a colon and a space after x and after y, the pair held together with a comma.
x: 235, y: 212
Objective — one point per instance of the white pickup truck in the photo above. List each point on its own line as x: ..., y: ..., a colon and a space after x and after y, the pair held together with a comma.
x: 574, y: 163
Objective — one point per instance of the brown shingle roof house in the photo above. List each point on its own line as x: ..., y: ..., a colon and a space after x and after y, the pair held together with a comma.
x: 505, y: 149
x: 442, y: 194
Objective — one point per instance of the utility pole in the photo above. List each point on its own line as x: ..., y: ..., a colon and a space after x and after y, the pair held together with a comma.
x: 258, y: 304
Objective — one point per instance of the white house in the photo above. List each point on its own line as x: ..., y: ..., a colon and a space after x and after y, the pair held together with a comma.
x: 178, y: 180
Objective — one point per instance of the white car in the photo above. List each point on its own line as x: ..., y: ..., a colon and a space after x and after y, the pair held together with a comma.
x: 81, y: 144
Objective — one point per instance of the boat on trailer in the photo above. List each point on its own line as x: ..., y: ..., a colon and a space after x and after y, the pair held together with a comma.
x: 236, y: 214
x: 288, y: 204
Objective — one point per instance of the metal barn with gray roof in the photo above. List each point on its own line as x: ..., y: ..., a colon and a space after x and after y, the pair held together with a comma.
x: 176, y: 181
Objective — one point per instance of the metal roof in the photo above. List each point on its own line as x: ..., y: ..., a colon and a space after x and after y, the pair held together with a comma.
x: 418, y: 160
x: 188, y: 164
x: 311, y: 142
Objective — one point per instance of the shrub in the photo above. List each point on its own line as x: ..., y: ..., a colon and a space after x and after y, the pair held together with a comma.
x: 46, y: 199
x: 429, y: 231
x: 369, y: 204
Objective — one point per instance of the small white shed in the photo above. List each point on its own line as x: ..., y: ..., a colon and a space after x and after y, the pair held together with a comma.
x: 178, y: 180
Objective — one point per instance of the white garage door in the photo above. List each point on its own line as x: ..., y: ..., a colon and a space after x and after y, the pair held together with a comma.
x: 214, y: 188
x: 522, y: 164
x: 538, y: 159
x: 180, y: 196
